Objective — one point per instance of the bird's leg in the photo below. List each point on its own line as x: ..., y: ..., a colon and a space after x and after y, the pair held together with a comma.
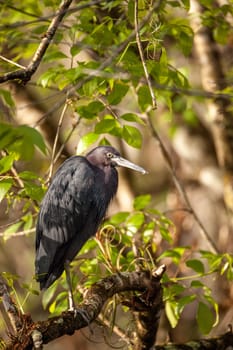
x: 70, y: 292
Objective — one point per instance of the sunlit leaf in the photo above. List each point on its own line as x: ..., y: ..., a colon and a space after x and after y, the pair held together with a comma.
x: 6, y: 163
x: 86, y: 141
x: 171, y: 313
x: 142, y: 201
x: 132, y: 136
x: 5, y: 186
x: 119, y: 218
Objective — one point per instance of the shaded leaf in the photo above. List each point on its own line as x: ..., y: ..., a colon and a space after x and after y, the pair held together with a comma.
x: 205, y: 318
x: 196, y: 265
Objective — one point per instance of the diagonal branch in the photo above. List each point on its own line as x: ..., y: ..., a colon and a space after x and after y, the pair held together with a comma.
x: 25, y: 74
x: 68, y: 322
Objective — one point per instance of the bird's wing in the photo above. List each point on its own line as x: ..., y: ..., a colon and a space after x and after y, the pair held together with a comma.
x: 67, y: 206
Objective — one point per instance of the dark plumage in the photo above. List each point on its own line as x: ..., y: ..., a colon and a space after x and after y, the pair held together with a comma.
x: 73, y: 208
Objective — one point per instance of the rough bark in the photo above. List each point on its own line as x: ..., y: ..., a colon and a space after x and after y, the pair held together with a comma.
x: 68, y: 322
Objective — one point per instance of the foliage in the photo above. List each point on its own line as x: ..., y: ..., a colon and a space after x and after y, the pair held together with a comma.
x: 95, y: 89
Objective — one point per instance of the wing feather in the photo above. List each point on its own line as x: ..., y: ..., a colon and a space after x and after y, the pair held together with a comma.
x: 64, y: 212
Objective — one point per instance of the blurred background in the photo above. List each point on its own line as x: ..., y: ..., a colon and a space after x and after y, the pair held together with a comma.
x: 188, y: 51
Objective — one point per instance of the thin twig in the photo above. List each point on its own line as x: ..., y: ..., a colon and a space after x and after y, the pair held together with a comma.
x: 20, y: 233
x: 66, y: 140
x: 163, y: 148
x: 56, y: 141
x: 12, y: 62
x: 140, y: 49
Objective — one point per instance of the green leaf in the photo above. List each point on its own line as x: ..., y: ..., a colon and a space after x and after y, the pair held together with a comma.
x: 118, y: 92
x: 90, y: 87
x: 91, y: 110
x: 165, y: 233
x: 132, y: 136
x: 144, y: 98
x: 54, y: 56
x: 205, y: 318
x: 5, y: 186
x: 86, y: 141
x: 48, y: 77
x: 32, y: 136
x: 196, y: 265
x: 182, y: 302
x: 142, y: 201
x: 12, y: 229
x: 108, y: 125
x: 32, y: 190
x: 171, y: 312
x: 6, y: 163
x: 74, y: 50
x: 175, y: 254
x: 6, y: 96
x: 131, y: 117
x: 48, y: 295
x: 7, y: 135
x: 197, y: 284
x: 28, y: 221
x: 28, y: 175
x: 135, y: 220
x: 119, y: 218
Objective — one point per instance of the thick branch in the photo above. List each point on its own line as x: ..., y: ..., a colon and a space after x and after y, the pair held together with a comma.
x: 25, y: 74
x: 94, y: 300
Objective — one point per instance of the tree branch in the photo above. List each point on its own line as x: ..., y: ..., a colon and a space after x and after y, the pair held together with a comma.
x: 25, y: 74
x: 14, y: 315
x: 68, y: 322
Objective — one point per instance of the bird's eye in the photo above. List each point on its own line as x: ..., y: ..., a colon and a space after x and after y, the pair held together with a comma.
x: 109, y: 155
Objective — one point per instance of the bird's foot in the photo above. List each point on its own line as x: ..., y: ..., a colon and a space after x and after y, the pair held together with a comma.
x: 80, y: 312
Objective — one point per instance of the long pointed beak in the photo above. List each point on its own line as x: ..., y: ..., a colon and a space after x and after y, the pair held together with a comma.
x: 119, y: 161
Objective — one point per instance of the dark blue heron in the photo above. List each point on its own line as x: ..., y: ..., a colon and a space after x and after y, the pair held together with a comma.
x: 72, y: 210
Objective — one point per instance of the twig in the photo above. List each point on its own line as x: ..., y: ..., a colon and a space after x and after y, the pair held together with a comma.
x: 66, y: 139
x: 139, y: 44
x: 56, y: 141
x: 44, y: 18
x: 25, y: 74
x: 20, y: 233
x: 12, y: 62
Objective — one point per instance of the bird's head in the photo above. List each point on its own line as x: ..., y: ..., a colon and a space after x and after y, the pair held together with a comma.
x: 103, y: 156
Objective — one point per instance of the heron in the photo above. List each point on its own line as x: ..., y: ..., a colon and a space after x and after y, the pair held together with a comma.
x: 72, y: 210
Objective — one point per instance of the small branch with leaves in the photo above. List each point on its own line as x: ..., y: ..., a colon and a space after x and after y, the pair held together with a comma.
x: 25, y: 74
